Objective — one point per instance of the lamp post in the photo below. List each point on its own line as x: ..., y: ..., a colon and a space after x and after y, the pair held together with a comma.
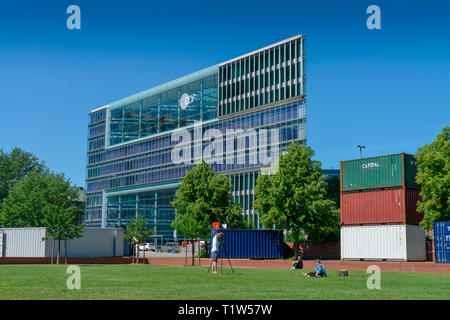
x: 360, y: 149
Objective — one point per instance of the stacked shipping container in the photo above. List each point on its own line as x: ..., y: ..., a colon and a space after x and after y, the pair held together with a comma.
x: 379, y: 215
x: 380, y: 207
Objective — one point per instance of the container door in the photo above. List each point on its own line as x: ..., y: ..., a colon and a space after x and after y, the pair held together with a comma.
x: 402, y: 240
x: 1, y: 243
x: 446, y: 251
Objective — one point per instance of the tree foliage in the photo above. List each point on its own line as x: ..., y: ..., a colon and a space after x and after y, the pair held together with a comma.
x: 333, y: 187
x: 433, y: 174
x: 295, y: 198
x: 137, y: 231
x: 188, y: 225
x: 203, y: 198
x: 35, y: 196
x: 15, y: 166
x: 59, y: 219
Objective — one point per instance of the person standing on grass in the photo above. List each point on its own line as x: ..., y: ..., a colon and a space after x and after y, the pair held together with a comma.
x: 320, y: 271
x: 215, y: 250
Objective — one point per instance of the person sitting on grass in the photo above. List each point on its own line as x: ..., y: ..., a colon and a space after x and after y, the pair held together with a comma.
x: 320, y: 271
x: 297, y: 264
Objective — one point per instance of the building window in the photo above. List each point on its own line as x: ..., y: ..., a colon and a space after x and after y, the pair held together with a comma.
x: 271, y: 57
x: 292, y: 50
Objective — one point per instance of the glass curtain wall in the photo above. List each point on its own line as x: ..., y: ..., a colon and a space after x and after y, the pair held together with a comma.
x: 153, y: 206
x: 150, y: 161
x: 129, y: 141
x: 262, y: 78
x: 161, y: 109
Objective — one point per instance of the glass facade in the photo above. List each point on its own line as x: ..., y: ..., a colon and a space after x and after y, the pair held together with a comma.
x: 130, y: 164
x: 158, y: 110
x: 262, y: 78
x: 154, y: 206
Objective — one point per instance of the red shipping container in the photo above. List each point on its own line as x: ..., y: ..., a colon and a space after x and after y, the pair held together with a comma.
x: 380, y: 206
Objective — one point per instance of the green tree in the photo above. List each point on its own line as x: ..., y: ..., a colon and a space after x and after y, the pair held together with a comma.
x: 233, y: 217
x: 205, y: 198
x: 15, y: 166
x: 137, y: 231
x: 295, y: 198
x: 59, y: 219
x: 333, y: 188
x: 188, y: 225
x: 32, y: 197
x: 433, y: 174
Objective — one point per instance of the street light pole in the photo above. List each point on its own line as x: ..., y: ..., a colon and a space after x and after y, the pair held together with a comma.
x: 360, y: 149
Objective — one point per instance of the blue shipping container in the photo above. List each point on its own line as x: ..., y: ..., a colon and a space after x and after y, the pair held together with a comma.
x: 442, y: 242
x: 251, y: 244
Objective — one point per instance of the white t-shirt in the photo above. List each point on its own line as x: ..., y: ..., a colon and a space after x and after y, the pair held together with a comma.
x: 215, y: 244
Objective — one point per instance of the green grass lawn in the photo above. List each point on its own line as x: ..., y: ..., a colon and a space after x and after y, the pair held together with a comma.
x: 178, y: 282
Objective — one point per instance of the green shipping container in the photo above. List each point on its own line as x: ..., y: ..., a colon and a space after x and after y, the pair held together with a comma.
x: 391, y: 171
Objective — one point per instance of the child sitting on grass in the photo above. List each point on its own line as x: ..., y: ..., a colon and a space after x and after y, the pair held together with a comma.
x: 320, y: 271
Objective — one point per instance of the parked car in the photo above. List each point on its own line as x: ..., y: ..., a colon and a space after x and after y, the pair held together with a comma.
x: 145, y: 247
x: 171, y: 246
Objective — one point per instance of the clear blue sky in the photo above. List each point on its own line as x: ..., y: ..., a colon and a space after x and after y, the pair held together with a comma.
x: 388, y: 89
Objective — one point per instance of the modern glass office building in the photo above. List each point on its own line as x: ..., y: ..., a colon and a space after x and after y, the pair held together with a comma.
x: 238, y: 115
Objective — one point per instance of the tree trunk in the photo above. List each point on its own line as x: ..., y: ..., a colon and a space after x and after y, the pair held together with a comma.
x: 199, y: 253
x: 59, y: 251
x: 137, y: 260
x: 185, y: 251
x: 193, y: 253
x: 65, y: 251
x: 53, y: 248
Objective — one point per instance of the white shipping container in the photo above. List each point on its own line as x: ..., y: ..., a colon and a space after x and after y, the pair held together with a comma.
x: 23, y: 242
x: 95, y: 242
x: 383, y: 242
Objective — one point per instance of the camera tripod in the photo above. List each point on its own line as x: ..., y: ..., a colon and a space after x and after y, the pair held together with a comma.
x: 222, y: 249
